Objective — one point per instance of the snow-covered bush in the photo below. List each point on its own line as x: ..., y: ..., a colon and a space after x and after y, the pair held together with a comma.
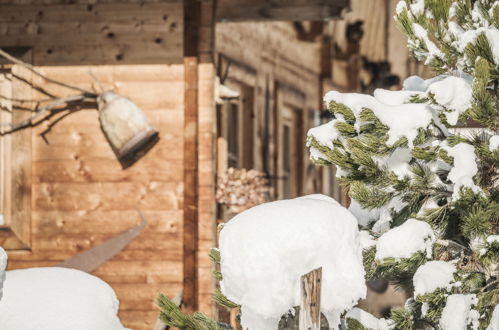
x: 55, y: 298
x: 265, y: 250
x: 428, y: 193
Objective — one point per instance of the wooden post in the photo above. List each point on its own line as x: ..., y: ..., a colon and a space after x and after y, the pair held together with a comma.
x: 310, y: 305
x: 191, y: 184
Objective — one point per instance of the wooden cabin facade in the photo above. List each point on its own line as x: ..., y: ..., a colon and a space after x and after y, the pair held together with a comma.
x: 62, y: 189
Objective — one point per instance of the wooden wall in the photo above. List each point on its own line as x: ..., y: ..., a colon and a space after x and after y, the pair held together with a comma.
x: 80, y: 194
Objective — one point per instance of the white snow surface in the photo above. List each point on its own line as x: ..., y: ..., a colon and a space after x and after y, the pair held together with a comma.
x: 401, y: 5
x: 266, y: 249
x: 418, y: 84
x: 368, y: 320
x: 53, y: 298
x: 366, y: 239
x: 384, y: 220
x: 325, y: 134
x: 464, y: 169
x: 364, y: 216
x: 492, y: 238
x: 494, y: 143
x: 389, y: 97
x: 464, y: 38
x: 492, y: 35
x: 3, y: 265
x: 397, y: 162
x: 405, y: 240
x: 402, y: 120
x: 458, y: 313
x: 433, y: 50
x: 433, y: 275
x: 494, y: 321
x: 455, y: 94
x: 417, y: 7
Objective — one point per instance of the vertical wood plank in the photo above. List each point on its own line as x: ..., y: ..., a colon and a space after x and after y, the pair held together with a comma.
x: 5, y: 149
x: 191, y: 184
x: 310, y: 305
x: 21, y: 165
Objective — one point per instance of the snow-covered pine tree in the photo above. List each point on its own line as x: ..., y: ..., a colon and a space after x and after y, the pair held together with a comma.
x: 425, y: 189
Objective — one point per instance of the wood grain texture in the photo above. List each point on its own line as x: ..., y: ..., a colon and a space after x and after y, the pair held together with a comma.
x: 310, y: 303
x: 18, y: 234
x: 98, y: 33
x: 80, y: 197
x: 192, y: 12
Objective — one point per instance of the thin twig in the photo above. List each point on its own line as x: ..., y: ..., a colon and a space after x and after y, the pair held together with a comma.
x: 39, y: 89
x: 36, y: 72
x: 96, y: 80
x: 489, y: 285
x: 451, y: 244
x: 43, y: 110
x: 12, y: 99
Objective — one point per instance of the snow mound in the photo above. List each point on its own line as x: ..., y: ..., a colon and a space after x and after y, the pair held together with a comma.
x: 3, y: 265
x: 397, y: 162
x: 492, y: 238
x: 325, y: 134
x: 433, y: 275
x: 494, y: 143
x: 453, y: 93
x: 368, y: 320
x: 402, y: 120
x: 266, y: 249
x: 458, y: 313
x: 364, y: 216
x: 405, y: 240
x: 366, y: 240
x: 465, y: 168
x: 54, y: 298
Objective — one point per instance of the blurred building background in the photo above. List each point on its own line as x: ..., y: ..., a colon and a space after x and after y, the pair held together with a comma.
x: 227, y: 83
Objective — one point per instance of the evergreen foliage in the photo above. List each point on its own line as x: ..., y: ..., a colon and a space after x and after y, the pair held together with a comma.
x: 172, y: 315
x: 454, y: 38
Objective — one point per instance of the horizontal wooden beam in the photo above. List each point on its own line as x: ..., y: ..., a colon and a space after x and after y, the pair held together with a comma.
x: 282, y: 10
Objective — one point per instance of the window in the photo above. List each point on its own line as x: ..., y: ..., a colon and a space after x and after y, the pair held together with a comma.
x: 286, y: 161
x: 291, y: 148
x: 235, y: 129
x: 233, y: 134
x: 15, y: 156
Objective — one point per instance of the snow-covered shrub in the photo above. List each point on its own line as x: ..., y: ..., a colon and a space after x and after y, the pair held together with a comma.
x: 54, y: 298
x: 428, y: 193
x: 265, y: 250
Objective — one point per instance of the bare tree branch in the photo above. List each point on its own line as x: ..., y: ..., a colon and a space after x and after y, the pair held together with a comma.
x: 43, y: 110
x: 36, y: 72
x: 12, y: 99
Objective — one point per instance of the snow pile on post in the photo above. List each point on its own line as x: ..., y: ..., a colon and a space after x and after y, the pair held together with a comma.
x: 266, y: 249
x: 3, y: 265
x: 54, y: 298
